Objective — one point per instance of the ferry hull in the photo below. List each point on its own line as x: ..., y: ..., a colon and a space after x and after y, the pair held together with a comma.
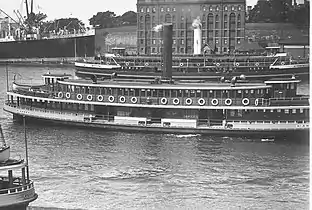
x: 301, y: 134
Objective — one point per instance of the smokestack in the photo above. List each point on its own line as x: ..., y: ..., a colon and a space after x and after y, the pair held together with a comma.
x: 197, y: 36
x: 167, y: 51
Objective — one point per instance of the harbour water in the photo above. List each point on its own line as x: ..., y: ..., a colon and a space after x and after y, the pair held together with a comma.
x: 77, y: 168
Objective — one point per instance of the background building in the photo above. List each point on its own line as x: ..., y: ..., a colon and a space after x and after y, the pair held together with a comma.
x: 222, y: 24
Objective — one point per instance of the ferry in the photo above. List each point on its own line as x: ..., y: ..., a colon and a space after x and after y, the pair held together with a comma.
x: 230, y: 106
x: 195, y: 67
x: 16, y: 188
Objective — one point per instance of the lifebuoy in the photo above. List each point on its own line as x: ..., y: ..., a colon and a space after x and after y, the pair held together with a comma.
x: 176, y: 101
x: 100, y: 98
x: 60, y: 94
x: 134, y: 100
x: 217, y: 64
x: 245, y: 101
x: 181, y: 64
x: 163, y: 101
x: 257, y: 64
x: 188, y: 101
x: 201, y: 101
x: 198, y: 64
x: 146, y: 64
x: 89, y: 97
x: 283, y: 63
x: 122, y: 99
x: 79, y: 96
x: 111, y: 98
x: 228, y: 102
x: 237, y: 64
x: 257, y: 102
x: 214, y: 102
x: 127, y: 63
x: 67, y: 95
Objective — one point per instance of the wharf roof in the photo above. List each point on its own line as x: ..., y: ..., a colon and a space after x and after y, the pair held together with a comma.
x: 177, y: 85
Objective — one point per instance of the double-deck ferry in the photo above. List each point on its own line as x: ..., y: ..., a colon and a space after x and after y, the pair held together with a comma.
x: 16, y: 188
x: 230, y: 106
x: 196, y: 67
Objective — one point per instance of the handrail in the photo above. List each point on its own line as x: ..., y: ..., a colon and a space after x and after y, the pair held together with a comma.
x: 18, y: 189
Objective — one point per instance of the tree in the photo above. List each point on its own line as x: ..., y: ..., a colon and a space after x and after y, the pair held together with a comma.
x: 129, y: 18
x: 103, y: 20
x: 34, y: 20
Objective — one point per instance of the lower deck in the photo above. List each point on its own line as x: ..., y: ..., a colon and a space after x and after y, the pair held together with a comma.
x: 216, y: 123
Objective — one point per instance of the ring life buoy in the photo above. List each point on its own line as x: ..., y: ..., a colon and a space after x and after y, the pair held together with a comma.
x: 146, y: 64
x: 163, y: 101
x: 176, y: 101
x: 217, y: 64
x: 122, y: 99
x: 111, y: 98
x: 181, y: 64
x: 201, y: 101
x: 67, y: 95
x: 127, y: 63
x: 256, y: 64
x: 228, y: 102
x: 60, y: 95
x: 188, y: 101
x: 283, y: 63
x: 257, y: 102
x: 245, y: 101
x: 79, y: 96
x: 134, y: 100
x: 214, y: 102
x: 100, y: 98
x: 237, y: 64
x: 198, y: 64
x: 89, y: 97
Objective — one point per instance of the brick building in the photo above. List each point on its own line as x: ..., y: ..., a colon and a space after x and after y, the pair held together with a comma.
x: 222, y: 24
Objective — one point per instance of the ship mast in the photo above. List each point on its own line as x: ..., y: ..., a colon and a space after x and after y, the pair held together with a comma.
x: 27, y: 10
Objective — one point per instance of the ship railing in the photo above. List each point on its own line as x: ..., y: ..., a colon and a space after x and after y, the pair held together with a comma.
x: 20, y: 188
x: 290, y: 101
x: 267, y: 121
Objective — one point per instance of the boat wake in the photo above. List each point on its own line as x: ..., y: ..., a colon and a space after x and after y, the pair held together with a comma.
x: 184, y: 135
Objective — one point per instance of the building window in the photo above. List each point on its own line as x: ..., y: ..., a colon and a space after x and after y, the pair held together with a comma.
x: 153, y: 50
x: 204, y: 8
x: 217, y: 33
x: 225, y: 8
x: 217, y: 8
x: 181, y: 50
x: 141, y: 10
x: 142, y: 41
x: 147, y: 9
x: 182, y: 17
x: 174, y: 9
x: 238, y: 41
x: 239, y: 8
x: 182, y: 41
x: 173, y: 18
x: 182, y: 33
x: 233, y: 8
x: 154, y: 41
x: 217, y: 41
x: 174, y: 41
x: 154, y: 10
x: 168, y: 9
x: 225, y: 41
x: 162, y: 9
x: 210, y: 8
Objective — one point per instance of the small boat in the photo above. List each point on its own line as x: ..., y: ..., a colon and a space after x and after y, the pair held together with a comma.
x: 268, y: 139
x: 4, y: 149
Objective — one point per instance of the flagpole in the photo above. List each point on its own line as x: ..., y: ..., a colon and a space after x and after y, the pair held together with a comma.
x: 26, y: 146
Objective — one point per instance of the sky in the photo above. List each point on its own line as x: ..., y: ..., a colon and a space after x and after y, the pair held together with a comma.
x: 81, y: 9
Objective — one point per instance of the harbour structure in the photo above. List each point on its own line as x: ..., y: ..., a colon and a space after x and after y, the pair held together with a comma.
x: 16, y: 188
x: 220, y: 25
x: 234, y: 107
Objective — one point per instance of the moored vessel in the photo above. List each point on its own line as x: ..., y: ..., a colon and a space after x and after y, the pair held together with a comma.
x: 230, y: 106
x: 196, y: 67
